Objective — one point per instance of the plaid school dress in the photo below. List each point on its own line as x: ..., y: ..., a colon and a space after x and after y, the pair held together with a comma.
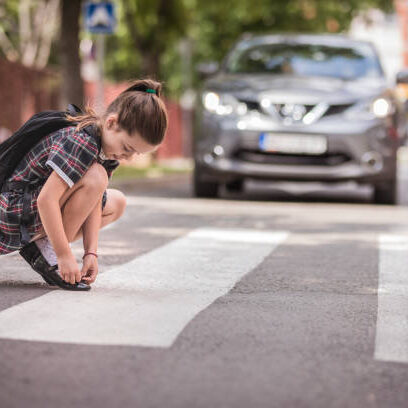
x: 69, y: 153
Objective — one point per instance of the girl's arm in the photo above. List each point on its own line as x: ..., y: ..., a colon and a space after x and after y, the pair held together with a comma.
x: 48, y: 203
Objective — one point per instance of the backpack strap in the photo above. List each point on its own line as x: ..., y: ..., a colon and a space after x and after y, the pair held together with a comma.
x: 23, y: 187
x: 25, y: 219
x: 73, y: 110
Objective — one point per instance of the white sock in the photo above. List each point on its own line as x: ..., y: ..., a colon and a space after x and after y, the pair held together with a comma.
x: 45, y: 247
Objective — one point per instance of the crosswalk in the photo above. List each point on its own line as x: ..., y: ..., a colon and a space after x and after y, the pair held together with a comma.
x: 151, y: 299
x: 392, y: 316
x: 148, y: 301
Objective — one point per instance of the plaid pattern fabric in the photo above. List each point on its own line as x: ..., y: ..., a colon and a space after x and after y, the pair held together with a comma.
x: 69, y: 154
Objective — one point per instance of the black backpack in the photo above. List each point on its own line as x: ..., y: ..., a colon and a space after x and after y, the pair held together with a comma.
x: 13, y: 150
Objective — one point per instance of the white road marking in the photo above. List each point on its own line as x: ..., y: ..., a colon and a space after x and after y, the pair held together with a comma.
x: 148, y: 301
x: 391, y: 342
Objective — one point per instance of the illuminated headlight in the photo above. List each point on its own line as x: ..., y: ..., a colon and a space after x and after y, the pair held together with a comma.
x: 381, y: 108
x: 211, y: 101
x: 374, y: 108
x: 223, y: 104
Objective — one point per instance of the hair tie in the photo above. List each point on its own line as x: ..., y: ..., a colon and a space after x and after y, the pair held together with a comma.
x: 149, y: 90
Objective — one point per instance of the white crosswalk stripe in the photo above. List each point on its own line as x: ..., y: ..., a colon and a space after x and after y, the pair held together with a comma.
x: 392, y: 317
x: 149, y: 300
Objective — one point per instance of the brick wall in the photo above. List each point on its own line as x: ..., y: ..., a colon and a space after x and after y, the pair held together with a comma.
x: 24, y: 91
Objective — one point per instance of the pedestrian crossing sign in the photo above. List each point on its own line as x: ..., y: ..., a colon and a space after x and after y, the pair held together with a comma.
x: 100, y: 17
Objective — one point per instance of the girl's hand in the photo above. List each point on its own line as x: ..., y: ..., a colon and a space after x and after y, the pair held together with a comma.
x: 89, y: 269
x: 69, y: 269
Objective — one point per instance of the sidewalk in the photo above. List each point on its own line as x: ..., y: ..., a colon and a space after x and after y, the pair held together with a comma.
x: 165, y: 173
x: 156, y: 181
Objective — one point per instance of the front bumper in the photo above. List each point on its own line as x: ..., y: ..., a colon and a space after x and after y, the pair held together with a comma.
x: 351, y: 140
x: 226, y: 169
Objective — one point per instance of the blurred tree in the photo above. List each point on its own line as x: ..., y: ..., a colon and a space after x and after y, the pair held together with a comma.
x: 72, y: 84
x: 148, y: 31
x: 215, y: 28
x: 27, y: 29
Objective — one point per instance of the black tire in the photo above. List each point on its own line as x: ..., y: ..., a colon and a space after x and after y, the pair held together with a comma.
x: 236, y: 186
x: 386, y: 193
x: 204, y: 189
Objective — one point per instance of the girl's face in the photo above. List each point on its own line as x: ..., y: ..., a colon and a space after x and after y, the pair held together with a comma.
x: 117, y: 144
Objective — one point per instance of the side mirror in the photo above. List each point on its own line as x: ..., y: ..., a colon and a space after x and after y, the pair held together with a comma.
x: 402, y: 77
x: 206, y: 69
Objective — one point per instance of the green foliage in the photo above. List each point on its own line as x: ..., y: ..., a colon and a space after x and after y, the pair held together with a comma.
x: 146, y: 41
x: 127, y: 172
x: 218, y: 24
x: 9, y: 27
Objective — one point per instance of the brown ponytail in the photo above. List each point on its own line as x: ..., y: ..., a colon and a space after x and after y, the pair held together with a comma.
x: 139, y: 108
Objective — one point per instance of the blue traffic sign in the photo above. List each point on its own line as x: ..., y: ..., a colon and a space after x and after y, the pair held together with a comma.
x: 100, y: 17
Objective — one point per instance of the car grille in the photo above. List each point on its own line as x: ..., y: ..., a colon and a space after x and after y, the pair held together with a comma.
x: 336, y: 109
x: 257, y: 156
x: 332, y: 110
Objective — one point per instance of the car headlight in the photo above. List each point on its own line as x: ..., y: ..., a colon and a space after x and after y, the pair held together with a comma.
x: 223, y: 104
x: 380, y: 107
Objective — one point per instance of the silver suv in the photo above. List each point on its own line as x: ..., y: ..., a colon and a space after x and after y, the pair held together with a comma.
x: 298, y: 107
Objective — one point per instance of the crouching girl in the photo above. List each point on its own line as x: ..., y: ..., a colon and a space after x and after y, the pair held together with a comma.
x: 69, y: 170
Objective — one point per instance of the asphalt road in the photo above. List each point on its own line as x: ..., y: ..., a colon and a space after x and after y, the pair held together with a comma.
x: 284, y: 296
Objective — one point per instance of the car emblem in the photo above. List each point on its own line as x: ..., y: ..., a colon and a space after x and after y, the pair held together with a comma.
x: 291, y: 112
x: 294, y: 113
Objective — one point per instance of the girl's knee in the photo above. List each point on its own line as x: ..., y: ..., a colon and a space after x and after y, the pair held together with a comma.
x: 96, y: 177
x: 121, y: 203
x: 116, y: 202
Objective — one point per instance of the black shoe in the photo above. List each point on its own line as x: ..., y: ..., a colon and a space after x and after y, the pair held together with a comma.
x: 35, y: 258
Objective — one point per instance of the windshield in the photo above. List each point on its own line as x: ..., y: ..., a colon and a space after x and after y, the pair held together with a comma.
x: 306, y: 60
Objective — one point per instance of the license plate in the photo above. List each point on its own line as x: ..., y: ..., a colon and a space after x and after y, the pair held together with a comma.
x: 289, y: 143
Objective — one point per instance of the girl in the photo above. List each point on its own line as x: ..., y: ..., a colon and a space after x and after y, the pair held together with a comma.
x: 71, y: 171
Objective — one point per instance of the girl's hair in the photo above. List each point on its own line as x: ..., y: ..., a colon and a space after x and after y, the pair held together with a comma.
x: 139, y: 108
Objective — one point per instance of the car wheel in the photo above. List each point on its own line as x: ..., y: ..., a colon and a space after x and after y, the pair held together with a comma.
x: 386, y: 193
x: 204, y: 189
x: 235, y: 186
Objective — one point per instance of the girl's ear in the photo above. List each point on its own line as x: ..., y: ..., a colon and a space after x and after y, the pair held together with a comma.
x: 112, y: 121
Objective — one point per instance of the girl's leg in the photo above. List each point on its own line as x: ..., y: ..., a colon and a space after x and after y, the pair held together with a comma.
x: 114, y: 208
x: 78, y: 202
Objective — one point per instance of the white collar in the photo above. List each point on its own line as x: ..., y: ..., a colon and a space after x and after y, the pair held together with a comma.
x: 102, y: 155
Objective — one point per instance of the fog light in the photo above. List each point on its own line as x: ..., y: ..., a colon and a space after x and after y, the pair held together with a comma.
x: 218, y: 150
x: 241, y: 125
x: 208, y: 158
x: 373, y: 160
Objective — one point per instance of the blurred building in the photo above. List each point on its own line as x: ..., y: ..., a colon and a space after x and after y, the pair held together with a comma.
x: 24, y: 91
x: 385, y: 31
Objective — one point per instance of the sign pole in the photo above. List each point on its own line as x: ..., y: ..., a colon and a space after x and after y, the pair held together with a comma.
x: 100, y: 20
x: 100, y: 91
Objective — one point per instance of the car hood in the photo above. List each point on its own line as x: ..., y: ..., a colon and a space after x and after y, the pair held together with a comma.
x: 291, y: 89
